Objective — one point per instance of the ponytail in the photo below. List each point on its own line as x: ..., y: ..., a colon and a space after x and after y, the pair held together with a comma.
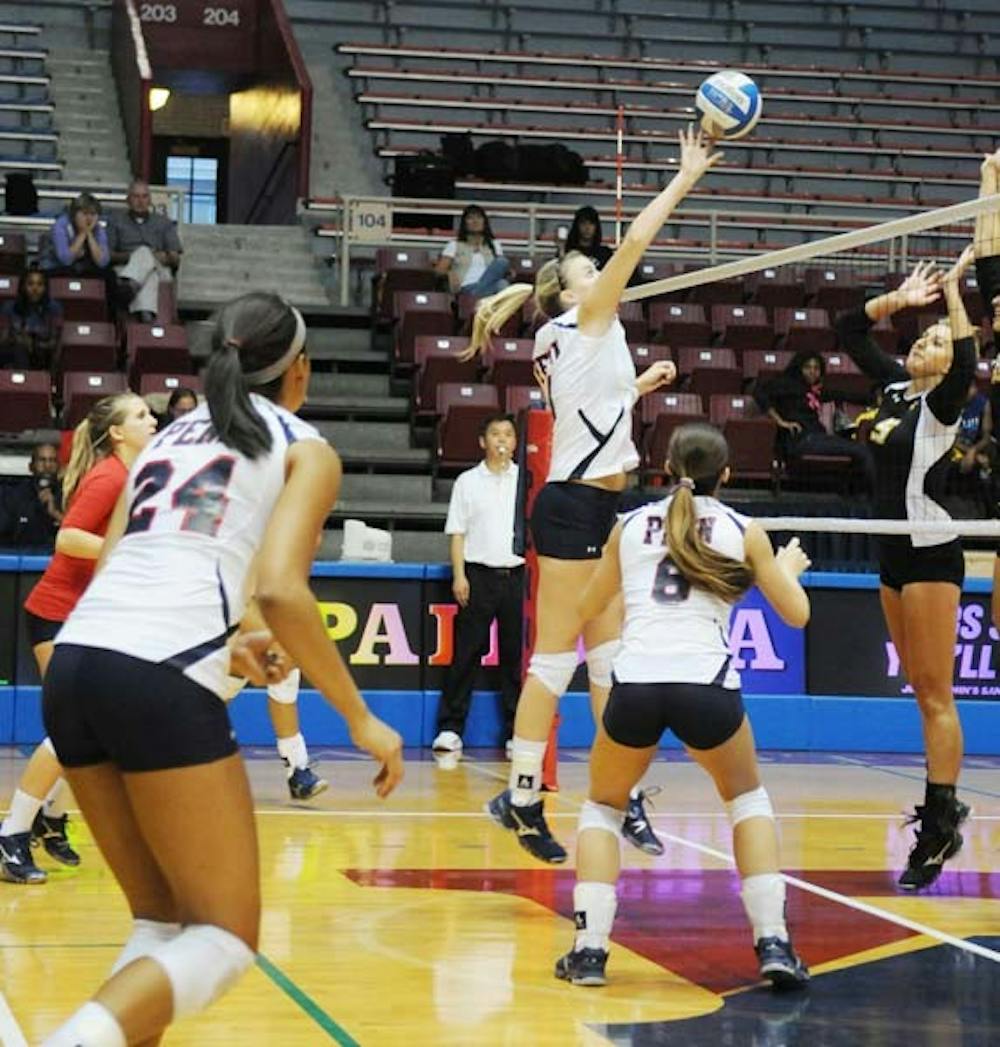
x: 92, y: 440
x: 697, y: 455
x: 256, y: 339
x: 493, y: 312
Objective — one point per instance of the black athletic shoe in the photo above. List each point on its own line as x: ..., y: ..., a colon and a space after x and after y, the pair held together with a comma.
x: 51, y: 834
x: 16, y: 863
x: 938, y: 839
x: 529, y: 823
x: 636, y: 828
x: 583, y: 967
x: 304, y: 784
x: 780, y: 965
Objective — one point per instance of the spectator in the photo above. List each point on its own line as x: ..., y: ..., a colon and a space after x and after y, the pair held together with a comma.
x: 34, y: 324
x: 474, y: 262
x: 31, y: 506
x: 145, y: 251
x: 182, y: 400
x: 794, y: 399
x: 585, y: 236
x: 78, y: 243
x: 487, y: 580
x: 972, y: 455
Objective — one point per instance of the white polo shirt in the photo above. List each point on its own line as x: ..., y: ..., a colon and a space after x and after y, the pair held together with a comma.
x: 482, y: 508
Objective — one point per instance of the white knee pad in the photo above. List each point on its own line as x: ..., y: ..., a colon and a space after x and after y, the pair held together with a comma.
x: 554, y: 670
x: 286, y: 692
x: 147, y: 936
x: 756, y: 804
x: 600, y: 816
x: 202, y: 963
x: 599, y: 661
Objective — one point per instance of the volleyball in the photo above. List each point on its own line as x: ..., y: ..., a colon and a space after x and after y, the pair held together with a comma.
x: 730, y: 104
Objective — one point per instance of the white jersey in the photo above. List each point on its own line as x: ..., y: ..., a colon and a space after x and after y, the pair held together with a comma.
x: 175, y: 585
x: 592, y: 392
x: 674, y: 632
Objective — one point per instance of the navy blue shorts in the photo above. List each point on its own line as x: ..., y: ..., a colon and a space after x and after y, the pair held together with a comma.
x: 701, y: 715
x: 572, y: 521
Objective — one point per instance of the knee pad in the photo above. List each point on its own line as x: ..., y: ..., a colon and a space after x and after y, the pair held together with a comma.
x: 47, y: 744
x: 600, y: 816
x: 599, y: 661
x: 147, y: 936
x: 286, y: 692
x: 756, y: 804
x: 202, y: 963
x: 554, y: 670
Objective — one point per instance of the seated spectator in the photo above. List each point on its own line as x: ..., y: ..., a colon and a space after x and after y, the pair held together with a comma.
x: 972, y: 456
x: 794, y: 399
x: 474, y: 261
x: 77, y: 243
x: 34, y: 325
x: 585, y: 236
x: 181, y: 401
x: 31, y: 506
x: 145, y: 251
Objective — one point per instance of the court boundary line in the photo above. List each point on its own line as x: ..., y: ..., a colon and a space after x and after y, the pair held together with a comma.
x: 823, y: 892
x: 853, y: 762
x: 324, y: 812
x: 305, y: 1002
x: 10, y: 1031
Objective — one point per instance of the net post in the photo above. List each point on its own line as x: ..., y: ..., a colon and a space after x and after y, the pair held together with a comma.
x: 535, y: 435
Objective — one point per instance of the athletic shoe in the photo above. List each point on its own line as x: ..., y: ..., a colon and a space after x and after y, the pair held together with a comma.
x: 780, y: 965
x: 636, y: 828
x: 938, y: 839
x: 529, y: 823
x: 583, y: 967
x: 447, y: 742
x: 16, y: 863
x: 305, y: 785
x: 508, y: 749
x: 51, y: 834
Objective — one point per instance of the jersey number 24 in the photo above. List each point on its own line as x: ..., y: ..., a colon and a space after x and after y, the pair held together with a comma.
x: 202, y: 496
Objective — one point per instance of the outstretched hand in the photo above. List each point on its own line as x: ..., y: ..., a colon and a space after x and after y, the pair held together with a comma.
x: 663, y: 372
x: 921, y: 287
x: 385, y: 745
x: 696, y: 154
x: 957, y: 271
x: 793, y: 558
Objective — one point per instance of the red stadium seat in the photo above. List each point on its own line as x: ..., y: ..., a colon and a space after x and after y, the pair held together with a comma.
x: 82, y: 389
x: 649, y: 271
x: 81, y: 299
x: 798, y: 329
x: 467, y: 407
x: 658, y: 439
x: 531, y: 318
x: 769, y: 362
x: 518, y: 398
x: 776, y: 288
x: 25, y: 400
x: 437, y: 362
x: 400, y: 269
x: 522, y: 268
x: 633, y: 320
x: 465, y: 394
x: 12, y: 252
x: 419, y: 313
x: 88, y: 346
x: 167, y: 383
x: 709, y: 370
x: 722, y: 408
x: 885, y: 336
x: 662, y: 402
x: 510, y: 362
x: 719, y: 292
x: 984, y: 370
x: 833, y: 289
x: 8, y: 287
x: 466, y: 307
x: 645, y: 354
x: 742, y: 327
x: 679, y: 323
x: 156, y: 348
x: 844, y: 375
x: 751, y: 448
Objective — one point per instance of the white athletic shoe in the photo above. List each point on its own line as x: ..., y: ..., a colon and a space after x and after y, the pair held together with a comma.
x: 447, y: 742
x: 508, y: 749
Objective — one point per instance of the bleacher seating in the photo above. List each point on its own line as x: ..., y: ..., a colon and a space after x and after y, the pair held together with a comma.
x: 90, y: 346
x: 24, y: 400
x: 438, y: 365
x: 82, y: 389
x: 81, y: 299
x: 156, y: 349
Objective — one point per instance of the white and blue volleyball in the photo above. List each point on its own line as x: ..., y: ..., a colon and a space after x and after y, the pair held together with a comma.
x: 730, y: 105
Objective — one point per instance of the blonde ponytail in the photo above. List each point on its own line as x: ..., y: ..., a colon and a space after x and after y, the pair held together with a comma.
x: 697, y: 456
x: 92, y: 440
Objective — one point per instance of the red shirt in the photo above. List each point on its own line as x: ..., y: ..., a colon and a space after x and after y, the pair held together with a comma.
x: 66, y: 577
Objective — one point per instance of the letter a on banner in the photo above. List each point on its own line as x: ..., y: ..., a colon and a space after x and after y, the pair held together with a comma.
x: 535, y: 442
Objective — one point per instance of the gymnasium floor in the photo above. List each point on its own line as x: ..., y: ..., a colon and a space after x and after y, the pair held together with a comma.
x: 416, y: 921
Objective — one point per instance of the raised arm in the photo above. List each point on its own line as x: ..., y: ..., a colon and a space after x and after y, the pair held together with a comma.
x: 947, y: 399
x: 597, y: 312
x: 289, y: 607
x: 987, y: 241
x: 777, y: 575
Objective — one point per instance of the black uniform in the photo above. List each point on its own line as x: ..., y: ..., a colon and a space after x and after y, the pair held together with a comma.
x: 911, y: 439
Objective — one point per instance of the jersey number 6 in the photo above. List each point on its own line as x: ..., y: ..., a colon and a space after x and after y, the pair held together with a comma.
x: 202, y: 495
x: 670, y: 586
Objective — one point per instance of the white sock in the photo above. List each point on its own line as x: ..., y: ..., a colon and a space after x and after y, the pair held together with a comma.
x: 764, y: 900
x: 91, y: 1026
x: 633, y: 793
x: 23, y: 809
x: 293, y: 751
x: 526, y: 771
x: 55, y: 802
x: 594, y: 906
x: 146, y: 937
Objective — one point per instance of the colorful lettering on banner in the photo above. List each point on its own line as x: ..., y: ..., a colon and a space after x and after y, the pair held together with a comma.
x: 748, y: 633
x: 394, y: 637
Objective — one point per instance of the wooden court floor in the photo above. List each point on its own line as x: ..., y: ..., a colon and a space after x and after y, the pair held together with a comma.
x: 416, y: 921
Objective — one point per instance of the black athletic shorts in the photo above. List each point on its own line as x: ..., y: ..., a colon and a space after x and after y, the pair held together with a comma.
x: 900, y: 563
x: 701, y: 715
x: 572, y: 521
x: 100, y: 706
x: 40, y: 630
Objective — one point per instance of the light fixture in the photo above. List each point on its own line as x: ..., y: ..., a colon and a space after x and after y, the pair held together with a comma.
x: 158, y: 98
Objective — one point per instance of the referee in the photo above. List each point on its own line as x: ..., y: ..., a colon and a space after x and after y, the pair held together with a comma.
x: 487, y: 580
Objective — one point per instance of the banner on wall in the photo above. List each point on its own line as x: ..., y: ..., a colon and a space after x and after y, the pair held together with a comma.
x: 850, y: 653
